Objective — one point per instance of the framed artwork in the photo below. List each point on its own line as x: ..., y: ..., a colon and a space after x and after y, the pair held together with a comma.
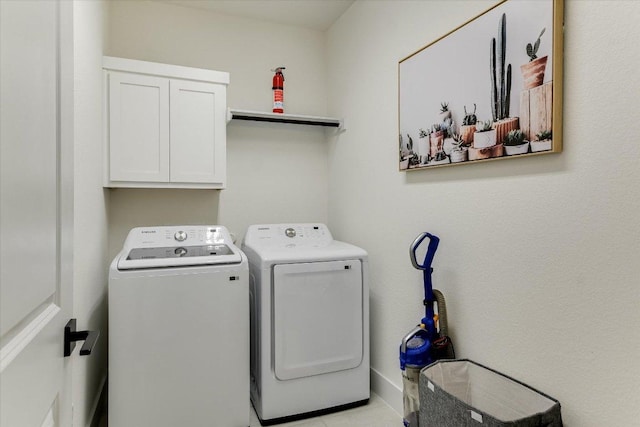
x: 490, y: 89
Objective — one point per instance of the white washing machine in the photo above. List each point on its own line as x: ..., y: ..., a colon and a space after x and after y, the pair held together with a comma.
x: 309, y: 321
x: 179, y: 330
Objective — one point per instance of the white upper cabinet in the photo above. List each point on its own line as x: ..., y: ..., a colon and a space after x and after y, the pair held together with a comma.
x: 193, y: 157
x: 166, y: 125
x: 138, y: 128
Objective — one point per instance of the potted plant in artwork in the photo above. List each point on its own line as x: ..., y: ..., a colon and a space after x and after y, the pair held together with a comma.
x: 515, y: 143
x: 468, y: 125
x: 404, y: 153
x: 444, y: 111
x: 501, y: 84
x: 533, y: 71
x: 408, y: 159
x: 449, y: 129
x: 447, y: 126
x: 436, y: 139
x: 423, y: 145
x: 542, y: 142
x: 485, y: 145
x: 485, y: 135
x: 414, y: 159
x: 460, y: 150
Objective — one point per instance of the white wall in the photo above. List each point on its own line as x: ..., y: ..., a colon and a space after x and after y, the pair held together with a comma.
x: 538, y: 255
x: 90, y: 207
x: 276, y: 173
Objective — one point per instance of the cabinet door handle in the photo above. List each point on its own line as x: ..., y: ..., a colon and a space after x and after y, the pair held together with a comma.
x: 71, y: 336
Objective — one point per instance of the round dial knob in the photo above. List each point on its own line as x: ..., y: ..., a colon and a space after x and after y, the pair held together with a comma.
x: 290, y: 232
x: 180, y: 236
x: 180, y: 251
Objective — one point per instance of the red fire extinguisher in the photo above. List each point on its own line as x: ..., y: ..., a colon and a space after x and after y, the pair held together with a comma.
x: 278, y: 91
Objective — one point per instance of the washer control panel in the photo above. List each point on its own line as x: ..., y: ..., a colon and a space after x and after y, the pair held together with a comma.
x: 142, y: 237
x: 179, y: 252
x: 288, y: 235
x: 175, y: 246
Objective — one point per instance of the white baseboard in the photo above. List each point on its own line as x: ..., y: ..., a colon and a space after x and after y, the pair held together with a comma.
x: 387, y: 391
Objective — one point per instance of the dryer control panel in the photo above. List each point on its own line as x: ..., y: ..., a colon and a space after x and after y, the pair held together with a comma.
x: 284, y: 235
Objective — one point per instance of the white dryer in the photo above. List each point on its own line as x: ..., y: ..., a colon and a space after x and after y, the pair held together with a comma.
x: 309, y: 321
x: 179, y: 330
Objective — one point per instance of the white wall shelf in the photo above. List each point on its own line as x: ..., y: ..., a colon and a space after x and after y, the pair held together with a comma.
x: 259, y: 116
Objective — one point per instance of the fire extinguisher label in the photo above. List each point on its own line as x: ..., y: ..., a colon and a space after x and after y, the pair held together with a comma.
x: 278, y: 99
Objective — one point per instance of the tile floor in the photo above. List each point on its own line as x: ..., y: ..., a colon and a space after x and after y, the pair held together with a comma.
x: 375, y: 414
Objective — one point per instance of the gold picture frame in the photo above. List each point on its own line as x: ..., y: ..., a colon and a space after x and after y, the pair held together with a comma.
x: 460, y: 101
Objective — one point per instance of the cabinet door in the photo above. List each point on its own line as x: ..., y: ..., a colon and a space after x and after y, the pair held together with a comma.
x: 138, y: 128
x: 198, y: 132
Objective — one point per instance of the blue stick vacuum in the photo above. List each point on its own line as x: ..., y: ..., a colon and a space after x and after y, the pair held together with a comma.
x: 420, y: 352
x: 424, y: 344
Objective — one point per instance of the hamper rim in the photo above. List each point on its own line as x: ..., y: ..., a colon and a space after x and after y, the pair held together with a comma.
x: 489, y: 369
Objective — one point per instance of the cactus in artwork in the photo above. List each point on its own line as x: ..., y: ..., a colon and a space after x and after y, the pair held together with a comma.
x: 469, y: 118
x: 458, y: 142
x: 507, y: 95
x: 494, y: 84
x: 502, y: 50
x: 484, y: 126
x: 514, y: 137
x: 500, y: 76
x: 543, y: 135
x: 532, y: 50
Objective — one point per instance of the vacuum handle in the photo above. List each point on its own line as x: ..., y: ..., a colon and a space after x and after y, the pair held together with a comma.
x: 410, y: 334
x: 431, y: 251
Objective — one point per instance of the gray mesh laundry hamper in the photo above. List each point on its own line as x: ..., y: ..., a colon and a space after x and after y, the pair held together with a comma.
x: 462, y: 393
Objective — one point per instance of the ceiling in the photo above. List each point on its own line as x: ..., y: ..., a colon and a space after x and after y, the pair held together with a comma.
x: 313, y: 14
